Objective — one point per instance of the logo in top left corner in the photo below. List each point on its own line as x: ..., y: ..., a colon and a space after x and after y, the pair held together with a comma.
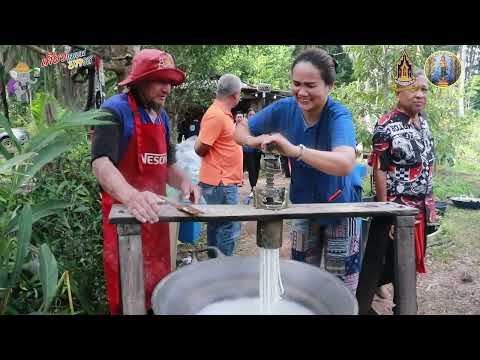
x: 22, y: 79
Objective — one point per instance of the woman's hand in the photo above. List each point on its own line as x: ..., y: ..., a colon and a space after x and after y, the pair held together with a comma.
x: 190, y: 192
x: 282, y: 145
x: 256, y: 141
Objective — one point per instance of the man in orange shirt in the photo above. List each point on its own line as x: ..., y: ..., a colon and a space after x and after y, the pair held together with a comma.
x: 222, y: 160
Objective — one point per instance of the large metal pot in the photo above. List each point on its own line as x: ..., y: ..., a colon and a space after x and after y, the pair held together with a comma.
x: 191, y: 288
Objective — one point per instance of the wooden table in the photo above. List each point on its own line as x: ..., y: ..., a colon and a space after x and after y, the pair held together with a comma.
x: 131, y: 258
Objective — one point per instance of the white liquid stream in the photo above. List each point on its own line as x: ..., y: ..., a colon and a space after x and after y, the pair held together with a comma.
x: 270, y: 285
x: 271, y: 289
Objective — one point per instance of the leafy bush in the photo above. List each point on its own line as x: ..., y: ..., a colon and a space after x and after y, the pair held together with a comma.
x: 76, y: 235
x: 27, y: 265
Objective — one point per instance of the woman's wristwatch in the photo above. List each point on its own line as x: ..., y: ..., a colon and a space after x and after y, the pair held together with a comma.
x: 302, y: 151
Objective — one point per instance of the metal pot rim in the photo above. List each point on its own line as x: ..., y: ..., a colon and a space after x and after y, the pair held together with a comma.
x: 237, y: 261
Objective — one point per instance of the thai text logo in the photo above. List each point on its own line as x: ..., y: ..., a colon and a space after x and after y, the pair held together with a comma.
x: 74, y: 60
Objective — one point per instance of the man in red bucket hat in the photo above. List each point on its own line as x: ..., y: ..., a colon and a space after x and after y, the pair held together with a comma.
x: 133, y: 162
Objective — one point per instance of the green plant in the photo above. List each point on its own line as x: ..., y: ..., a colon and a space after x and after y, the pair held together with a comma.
x: 76, y: 235
x: 19, y: 213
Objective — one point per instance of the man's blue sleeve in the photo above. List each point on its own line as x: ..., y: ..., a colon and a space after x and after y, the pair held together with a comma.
x: 166, y: 122
x: 343, y: 131
x: 111, y: 106
x: 267, y: 120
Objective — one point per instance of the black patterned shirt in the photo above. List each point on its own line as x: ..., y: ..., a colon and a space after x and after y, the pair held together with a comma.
x: 406, y: 153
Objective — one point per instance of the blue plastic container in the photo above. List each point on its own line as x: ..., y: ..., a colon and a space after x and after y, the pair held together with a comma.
x: 189, y: 232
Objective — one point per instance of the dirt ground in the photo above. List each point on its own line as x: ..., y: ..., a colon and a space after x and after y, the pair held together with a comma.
x: 452, y: 282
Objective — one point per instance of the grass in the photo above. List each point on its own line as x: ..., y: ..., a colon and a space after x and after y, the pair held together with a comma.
x: 466, y: 167
x: 448, y: 183
x: 461, y: 179
x: 460, y: 231
x: 460, y: 228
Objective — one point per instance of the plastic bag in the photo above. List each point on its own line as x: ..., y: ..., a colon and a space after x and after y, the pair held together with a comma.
x: 190, y: 162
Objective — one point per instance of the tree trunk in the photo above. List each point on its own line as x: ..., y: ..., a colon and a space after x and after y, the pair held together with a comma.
x: 67, y: 85
x: 461, y: 102
x: 385, y: 65
x: 3, y: 90
x: 119, y: 63
x: 418, y: 54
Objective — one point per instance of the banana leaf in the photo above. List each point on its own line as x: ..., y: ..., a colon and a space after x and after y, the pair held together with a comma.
x: 16, y: 160
x: 87, y: 118
x: 47, y: 135
x: 45, y: 155
x: 48, y: 275
x: 5, y: 249
x: 39, y: 211
x: 23, y: 241
x: 42, y: 139
x: 41, y: 100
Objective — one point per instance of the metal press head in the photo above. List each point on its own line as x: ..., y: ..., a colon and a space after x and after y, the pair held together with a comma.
x: 271, y: 197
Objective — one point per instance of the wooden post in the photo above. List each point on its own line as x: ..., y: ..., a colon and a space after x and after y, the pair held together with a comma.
x: 174, y: 228
x: 372, y: 263
x: 269, y: 234
x: 131, y: 269
x: 405, y: 285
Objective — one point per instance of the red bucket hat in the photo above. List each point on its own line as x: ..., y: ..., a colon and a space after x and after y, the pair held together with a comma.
x: 153, y: 64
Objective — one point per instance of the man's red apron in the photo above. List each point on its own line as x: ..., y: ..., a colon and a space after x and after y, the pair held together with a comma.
x: 144, y: 166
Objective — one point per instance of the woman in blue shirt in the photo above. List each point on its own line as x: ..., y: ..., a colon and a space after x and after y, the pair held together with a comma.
x: 317, y: 134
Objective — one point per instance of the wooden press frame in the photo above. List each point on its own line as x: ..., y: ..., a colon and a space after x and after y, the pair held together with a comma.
x: 383, y: 214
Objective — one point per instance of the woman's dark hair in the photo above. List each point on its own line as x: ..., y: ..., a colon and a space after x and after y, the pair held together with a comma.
x: 326, y: 65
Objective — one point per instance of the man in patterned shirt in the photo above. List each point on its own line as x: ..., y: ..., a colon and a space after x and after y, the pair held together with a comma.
x: 402, y: 162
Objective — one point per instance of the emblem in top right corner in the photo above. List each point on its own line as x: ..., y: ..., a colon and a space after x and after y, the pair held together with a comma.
x: 443, y: 69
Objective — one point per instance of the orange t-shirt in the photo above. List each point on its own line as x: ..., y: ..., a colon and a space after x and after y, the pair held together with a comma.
x: 224, y: 160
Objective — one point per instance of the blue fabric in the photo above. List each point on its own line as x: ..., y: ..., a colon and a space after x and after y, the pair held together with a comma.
x: 222, y: 234
x: 118, y: 105
x: 334, y: 129
x: 359, y: 172
x: 249, y: 149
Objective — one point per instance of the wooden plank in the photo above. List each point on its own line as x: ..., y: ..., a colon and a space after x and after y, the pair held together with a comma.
x: 120, y: 214
x: 405, y: 285
x: 131, y: 269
